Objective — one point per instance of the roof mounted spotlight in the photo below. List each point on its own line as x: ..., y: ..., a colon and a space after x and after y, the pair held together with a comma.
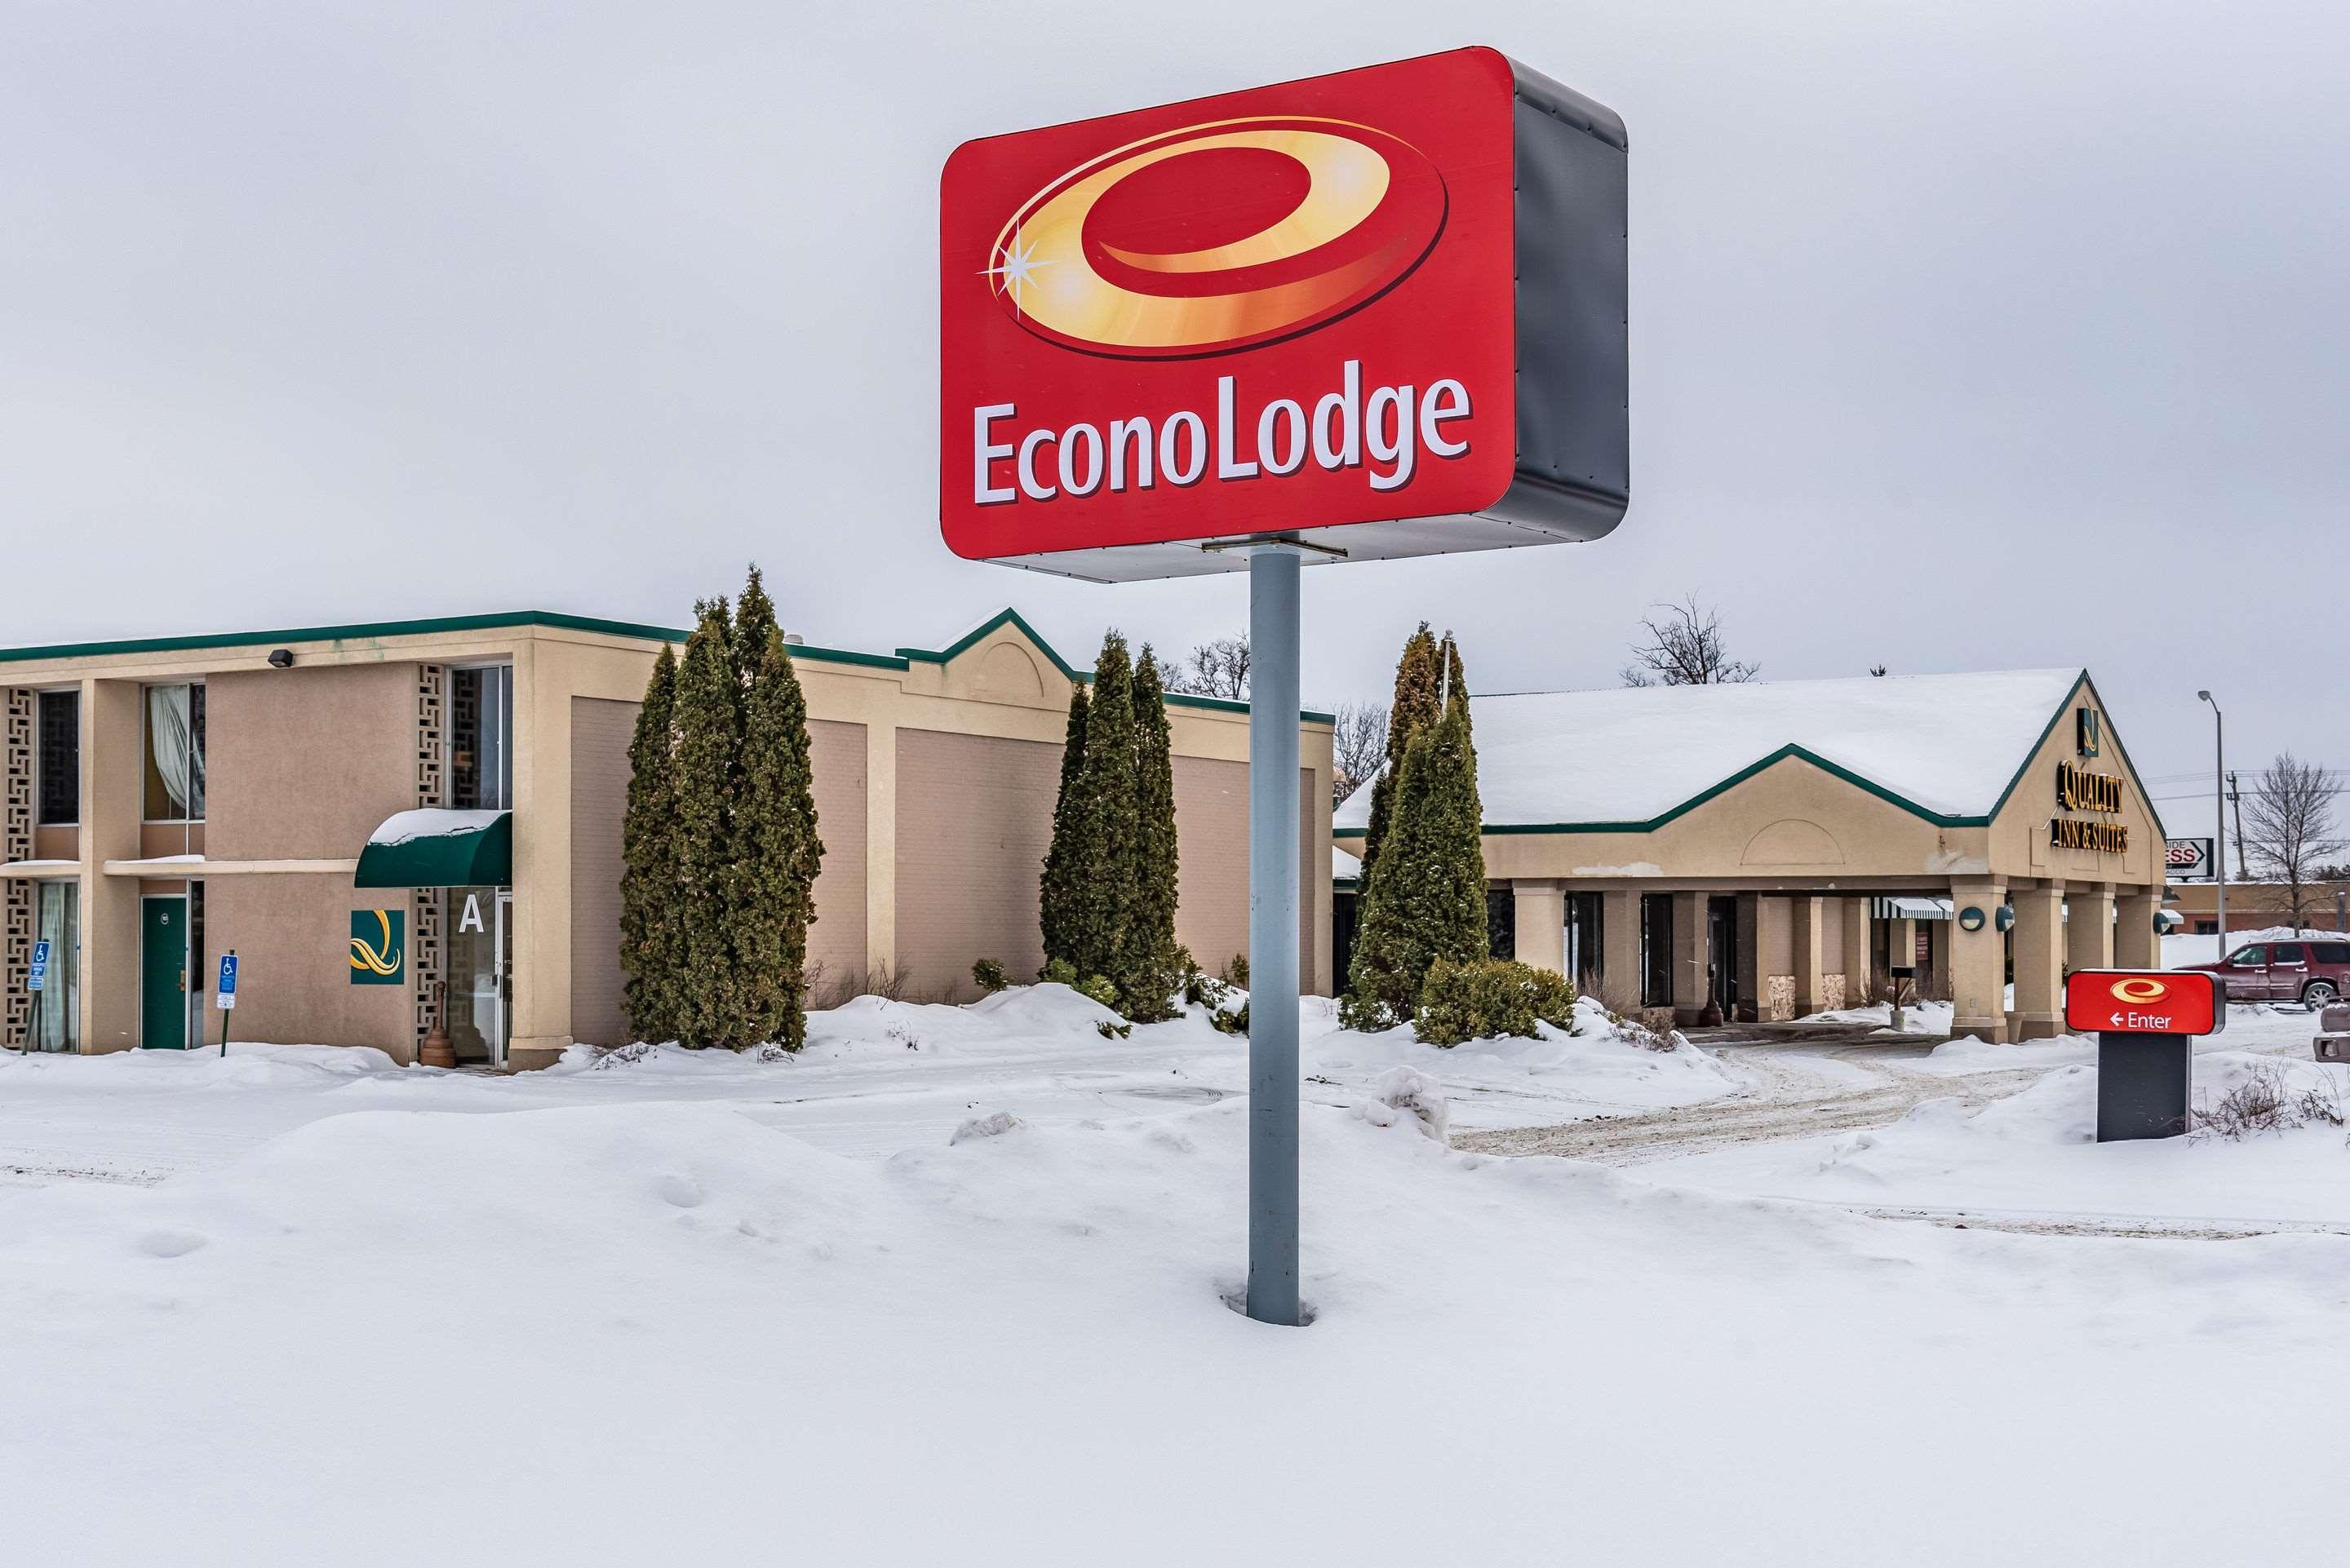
x: 281, y: 658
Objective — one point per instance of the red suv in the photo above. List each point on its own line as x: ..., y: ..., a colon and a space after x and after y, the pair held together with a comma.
x: 2314, y: 972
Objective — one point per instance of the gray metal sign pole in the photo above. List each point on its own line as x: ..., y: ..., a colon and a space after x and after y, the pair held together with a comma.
x: 1274, y: 639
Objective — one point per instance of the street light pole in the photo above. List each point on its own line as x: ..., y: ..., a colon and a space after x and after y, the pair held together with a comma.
x: 2219, y: 820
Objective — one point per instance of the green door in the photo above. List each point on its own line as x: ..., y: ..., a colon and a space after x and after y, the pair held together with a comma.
x: 163, y: 973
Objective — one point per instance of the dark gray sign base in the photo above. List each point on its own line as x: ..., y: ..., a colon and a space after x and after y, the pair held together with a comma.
x: 2142, y: 1083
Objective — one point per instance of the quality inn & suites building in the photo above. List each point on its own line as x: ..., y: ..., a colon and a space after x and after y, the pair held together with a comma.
x: 1777, y: 850
x: 375, y: 817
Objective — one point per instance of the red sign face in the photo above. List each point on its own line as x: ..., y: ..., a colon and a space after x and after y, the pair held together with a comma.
x: 2142, y: 1002
x: 1290, y: 308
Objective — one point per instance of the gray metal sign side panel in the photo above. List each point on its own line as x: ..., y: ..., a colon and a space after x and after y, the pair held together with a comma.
x: 1573, y: 383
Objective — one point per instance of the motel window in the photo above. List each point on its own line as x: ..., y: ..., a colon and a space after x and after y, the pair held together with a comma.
x: 480, y: 737
x: 1656, y: 950
x: 1585, y: 940
x: 58, y: 740
x: 175, y: 754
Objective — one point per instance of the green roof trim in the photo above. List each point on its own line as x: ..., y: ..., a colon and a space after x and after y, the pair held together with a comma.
x: 1939, y: 819
x: 378, y: 630
x: 2058, y: 717
x: 462, y: 855
x: 362, y: 631
x: 1003, y: 618
x: 1228, y: 705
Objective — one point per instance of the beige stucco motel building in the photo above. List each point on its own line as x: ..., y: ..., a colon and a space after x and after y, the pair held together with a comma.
x: 365, y: 814
x: 1769, y: 847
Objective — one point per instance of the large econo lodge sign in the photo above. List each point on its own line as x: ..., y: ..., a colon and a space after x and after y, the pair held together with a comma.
x: 1381, y: 312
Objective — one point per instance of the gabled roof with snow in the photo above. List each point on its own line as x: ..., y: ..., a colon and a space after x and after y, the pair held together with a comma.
x: 1947, y: 746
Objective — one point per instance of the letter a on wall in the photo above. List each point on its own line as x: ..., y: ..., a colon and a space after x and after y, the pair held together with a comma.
x: 379, y: 947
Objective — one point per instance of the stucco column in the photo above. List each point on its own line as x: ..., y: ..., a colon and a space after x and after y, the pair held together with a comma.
x: 113, y: 783
x: 1979, y: 964
x: 1855, y: 915
x: 2137, y: 944
x: 1619, y: 950
x: 1541, y: 904
x: 880, y: 848
x: 541, y: 1026
x: 1901, y: 949
x: 1807, y: 917
x: 2089, y: 927
x: 2039, y: 960
x: 1689, y: 957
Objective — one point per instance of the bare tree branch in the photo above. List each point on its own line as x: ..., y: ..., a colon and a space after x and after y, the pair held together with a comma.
x: 1361, y: 746
x: 2289, y: 829
x: 1684, y: 649
x: 1218, y: 669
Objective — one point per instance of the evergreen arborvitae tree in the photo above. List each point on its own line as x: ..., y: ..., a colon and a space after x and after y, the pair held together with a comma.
x: 1101, y: 891
x: 1418, y: 699
x: 754, y: 618
x: 650, y: 907
x: 1150, y: 966
x: 1057, y: 888
x: 771, y: 897
x: 709, y: 760
x: 1424, y: 896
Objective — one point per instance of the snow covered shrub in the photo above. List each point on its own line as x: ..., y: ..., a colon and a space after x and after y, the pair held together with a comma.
x: 1408, y: 1095
x: 1100, y: 987
x: 994, y: 1126
x: 989, y: 976
x: 2264, y: 1103
x: 1490, y: 998
x: 1202, y: 990
x: 1236, y: 972
x: 1059, y: 971
x: 1648, y: 1032
x: 1229, y: 1022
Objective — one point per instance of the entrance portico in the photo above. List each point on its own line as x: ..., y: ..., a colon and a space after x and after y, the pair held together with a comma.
x: 1780, y: 850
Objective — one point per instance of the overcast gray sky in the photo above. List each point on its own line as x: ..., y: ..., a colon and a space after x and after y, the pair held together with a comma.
x: 1963, y: 337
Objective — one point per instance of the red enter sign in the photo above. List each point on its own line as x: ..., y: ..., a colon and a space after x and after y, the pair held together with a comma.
x: 2142, y: 1002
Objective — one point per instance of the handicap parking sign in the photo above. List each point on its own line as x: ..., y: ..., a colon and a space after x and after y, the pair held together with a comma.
x: 225, y: 994
x: 37, y: 976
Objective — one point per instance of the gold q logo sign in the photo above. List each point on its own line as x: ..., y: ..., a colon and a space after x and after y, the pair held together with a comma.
x: 1218, y: 237
x: 2138, y: 992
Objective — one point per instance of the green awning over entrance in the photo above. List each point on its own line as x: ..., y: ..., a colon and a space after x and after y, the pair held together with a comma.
x: 440, y: 849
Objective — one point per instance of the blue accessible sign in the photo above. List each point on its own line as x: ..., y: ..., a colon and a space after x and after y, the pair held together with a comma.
x: 37, y: 978
x: 224, y: 994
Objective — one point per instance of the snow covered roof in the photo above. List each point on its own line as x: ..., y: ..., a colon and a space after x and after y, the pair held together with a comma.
x: 1948, y: 744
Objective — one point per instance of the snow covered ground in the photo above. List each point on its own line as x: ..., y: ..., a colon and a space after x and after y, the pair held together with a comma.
x: 714, y: 1310
x: 2031, y: 1157
x: 877, y: 1077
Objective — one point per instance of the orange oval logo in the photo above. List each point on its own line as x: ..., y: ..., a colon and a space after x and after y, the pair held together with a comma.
x: 1218, y: 237
x: 2137, y: 991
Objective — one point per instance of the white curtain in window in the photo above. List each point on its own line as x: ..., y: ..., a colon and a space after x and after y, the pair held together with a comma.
x: 196, y: 754
x: 60, y: 929
x: 170, y: 737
